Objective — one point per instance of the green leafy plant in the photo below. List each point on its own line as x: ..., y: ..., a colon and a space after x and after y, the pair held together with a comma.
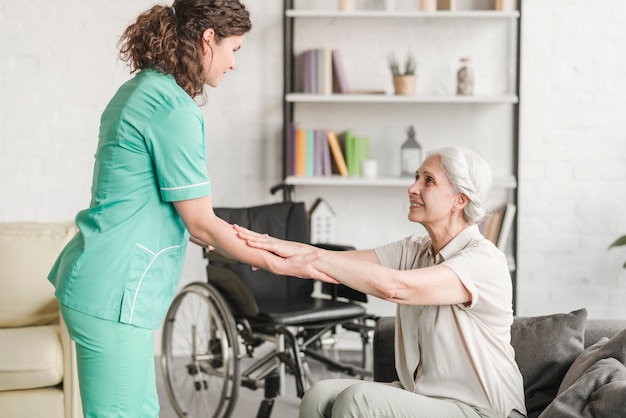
x: 409, y: 66
x: 618, y: 243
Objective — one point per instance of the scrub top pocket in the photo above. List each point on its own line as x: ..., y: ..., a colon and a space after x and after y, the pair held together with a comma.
x: 151, y: 286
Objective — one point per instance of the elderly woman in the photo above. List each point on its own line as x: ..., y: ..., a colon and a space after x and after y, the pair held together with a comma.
x: 453, y: 289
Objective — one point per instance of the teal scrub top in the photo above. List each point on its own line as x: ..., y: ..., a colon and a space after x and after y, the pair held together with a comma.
x: 125, y: 262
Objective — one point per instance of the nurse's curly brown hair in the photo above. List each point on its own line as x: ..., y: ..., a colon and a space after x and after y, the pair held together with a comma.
x: 168, y: 39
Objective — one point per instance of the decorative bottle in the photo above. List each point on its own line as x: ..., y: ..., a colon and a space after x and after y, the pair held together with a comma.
x: 465, y: 78
x: 411, y: 154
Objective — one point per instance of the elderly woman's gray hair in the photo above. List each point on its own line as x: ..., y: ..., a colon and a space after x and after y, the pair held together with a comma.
x: 469, y: 174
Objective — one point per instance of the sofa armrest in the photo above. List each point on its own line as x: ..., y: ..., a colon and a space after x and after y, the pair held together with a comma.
x: 384, y: 351
x: 71, y: 392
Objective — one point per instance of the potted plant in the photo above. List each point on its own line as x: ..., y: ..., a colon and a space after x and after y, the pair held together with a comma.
x: 404, y: 78
x: 618, y: 243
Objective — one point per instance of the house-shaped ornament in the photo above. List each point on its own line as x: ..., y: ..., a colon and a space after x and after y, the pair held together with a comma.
x: 322, y: 222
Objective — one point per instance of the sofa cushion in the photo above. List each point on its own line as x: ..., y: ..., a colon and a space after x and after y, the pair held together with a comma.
x: 27, y: 252
x: 598, y: 392
x: 605, y: 348
x: 32, y: 357
x: 595, y: 384
x: 545, y: 348
x: 46, y: 403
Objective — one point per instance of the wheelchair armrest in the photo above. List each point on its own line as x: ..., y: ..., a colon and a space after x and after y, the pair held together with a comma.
x: 218, y: 259
x: 340, y: 290
x: 334, y: 247
x: 384, y: 346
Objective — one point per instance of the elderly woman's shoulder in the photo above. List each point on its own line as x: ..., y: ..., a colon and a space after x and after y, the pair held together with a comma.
x: 417, y: 240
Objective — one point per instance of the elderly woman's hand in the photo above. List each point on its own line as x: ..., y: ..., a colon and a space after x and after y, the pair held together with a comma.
x: 299, y: 257
x: 277, y: 246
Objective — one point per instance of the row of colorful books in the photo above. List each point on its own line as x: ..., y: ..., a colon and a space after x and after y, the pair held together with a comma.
x: 323, y: 72
x: 321, y: 152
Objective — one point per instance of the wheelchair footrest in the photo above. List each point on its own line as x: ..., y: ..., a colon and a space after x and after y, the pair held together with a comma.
x: 357, y: 327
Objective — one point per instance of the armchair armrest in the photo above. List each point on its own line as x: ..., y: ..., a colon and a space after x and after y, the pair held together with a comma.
x: 73, y: 404
x: 384, y: 350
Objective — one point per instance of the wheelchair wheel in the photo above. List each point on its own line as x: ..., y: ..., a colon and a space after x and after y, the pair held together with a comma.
x: 200, y: 353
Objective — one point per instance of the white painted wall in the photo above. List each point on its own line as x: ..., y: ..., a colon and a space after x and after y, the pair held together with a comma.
x: 58, y: 69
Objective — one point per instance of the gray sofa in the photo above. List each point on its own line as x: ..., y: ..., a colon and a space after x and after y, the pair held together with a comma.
x: 572, y: 366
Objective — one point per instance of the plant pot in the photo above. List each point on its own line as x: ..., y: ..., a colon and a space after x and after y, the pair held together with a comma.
x: 404, y: 84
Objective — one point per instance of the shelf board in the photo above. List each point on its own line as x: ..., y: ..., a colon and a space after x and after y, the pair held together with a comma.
x: 392, y: 98
x: 442, y: 14
x: 507, y: 182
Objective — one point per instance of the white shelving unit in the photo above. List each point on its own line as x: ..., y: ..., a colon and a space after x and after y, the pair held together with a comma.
x: 486, y: 121
x: 498, y: 182
x: 392, y: 98
x: 368, y: 14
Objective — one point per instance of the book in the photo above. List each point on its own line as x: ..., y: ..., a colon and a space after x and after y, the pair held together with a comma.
x: 337, y: 154
x: 363, y: 152
x: 348, y: 140
x: 316, y: 71
x: 325, y: 71
x: 309, y: 71
x: 507, y: 225
x: 300, y: 152
x: 357, y: 150
x: 310, y: 153
x: 497, y: 223
x: 326, y: 157
x: 490, y: 224
x: 322, y: 154
x: 340, y: 79
x: 291, y: 149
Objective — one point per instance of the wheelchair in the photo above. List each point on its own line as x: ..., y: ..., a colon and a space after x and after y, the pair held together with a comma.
x: 212, y: 326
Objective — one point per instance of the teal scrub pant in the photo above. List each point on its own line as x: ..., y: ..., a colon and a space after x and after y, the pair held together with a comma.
x: 115, y: 367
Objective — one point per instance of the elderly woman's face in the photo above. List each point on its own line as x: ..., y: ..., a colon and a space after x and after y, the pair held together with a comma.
x: 431, y: 197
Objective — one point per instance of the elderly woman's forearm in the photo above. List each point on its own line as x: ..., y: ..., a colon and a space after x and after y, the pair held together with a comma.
x: 366, y: 277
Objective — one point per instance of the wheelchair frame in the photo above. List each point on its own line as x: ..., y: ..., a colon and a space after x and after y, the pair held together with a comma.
x: 211, y: 326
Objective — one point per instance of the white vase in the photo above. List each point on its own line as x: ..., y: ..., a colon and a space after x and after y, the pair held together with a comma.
x: 346, y: 5
x: 506, y: 5
x: 428, y: 5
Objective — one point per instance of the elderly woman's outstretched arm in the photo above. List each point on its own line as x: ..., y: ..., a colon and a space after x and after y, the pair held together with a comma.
x: 361, y: 270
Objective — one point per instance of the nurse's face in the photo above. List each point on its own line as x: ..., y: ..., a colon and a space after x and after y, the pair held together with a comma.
x: 219, y: 57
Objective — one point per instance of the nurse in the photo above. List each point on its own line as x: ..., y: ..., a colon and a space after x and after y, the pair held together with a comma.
x: 150, y: 196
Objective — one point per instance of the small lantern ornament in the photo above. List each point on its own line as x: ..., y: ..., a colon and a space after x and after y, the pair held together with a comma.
x: 411, y: 154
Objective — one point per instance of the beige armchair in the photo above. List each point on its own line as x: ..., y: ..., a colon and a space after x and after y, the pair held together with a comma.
x: 38, y: 375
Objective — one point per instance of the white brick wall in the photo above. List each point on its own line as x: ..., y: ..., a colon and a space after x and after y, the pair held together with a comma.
x: 572, y: 157
x: 59, y: 67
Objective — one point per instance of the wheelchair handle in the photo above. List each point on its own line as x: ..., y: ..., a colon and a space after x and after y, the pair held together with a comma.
x: 287, y: 189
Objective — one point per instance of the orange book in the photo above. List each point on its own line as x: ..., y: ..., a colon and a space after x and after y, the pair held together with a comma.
x: 335, y: 149
x: 300, y: 152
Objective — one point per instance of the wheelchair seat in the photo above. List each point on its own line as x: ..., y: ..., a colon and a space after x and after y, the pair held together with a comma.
x: 240, y: 307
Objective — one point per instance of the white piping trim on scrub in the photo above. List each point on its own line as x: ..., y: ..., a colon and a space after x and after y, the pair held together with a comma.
x: 132, y: 308
x: 186, y: 187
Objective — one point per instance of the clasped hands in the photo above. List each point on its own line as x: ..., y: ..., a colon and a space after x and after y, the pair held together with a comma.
x: 301, y: 257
